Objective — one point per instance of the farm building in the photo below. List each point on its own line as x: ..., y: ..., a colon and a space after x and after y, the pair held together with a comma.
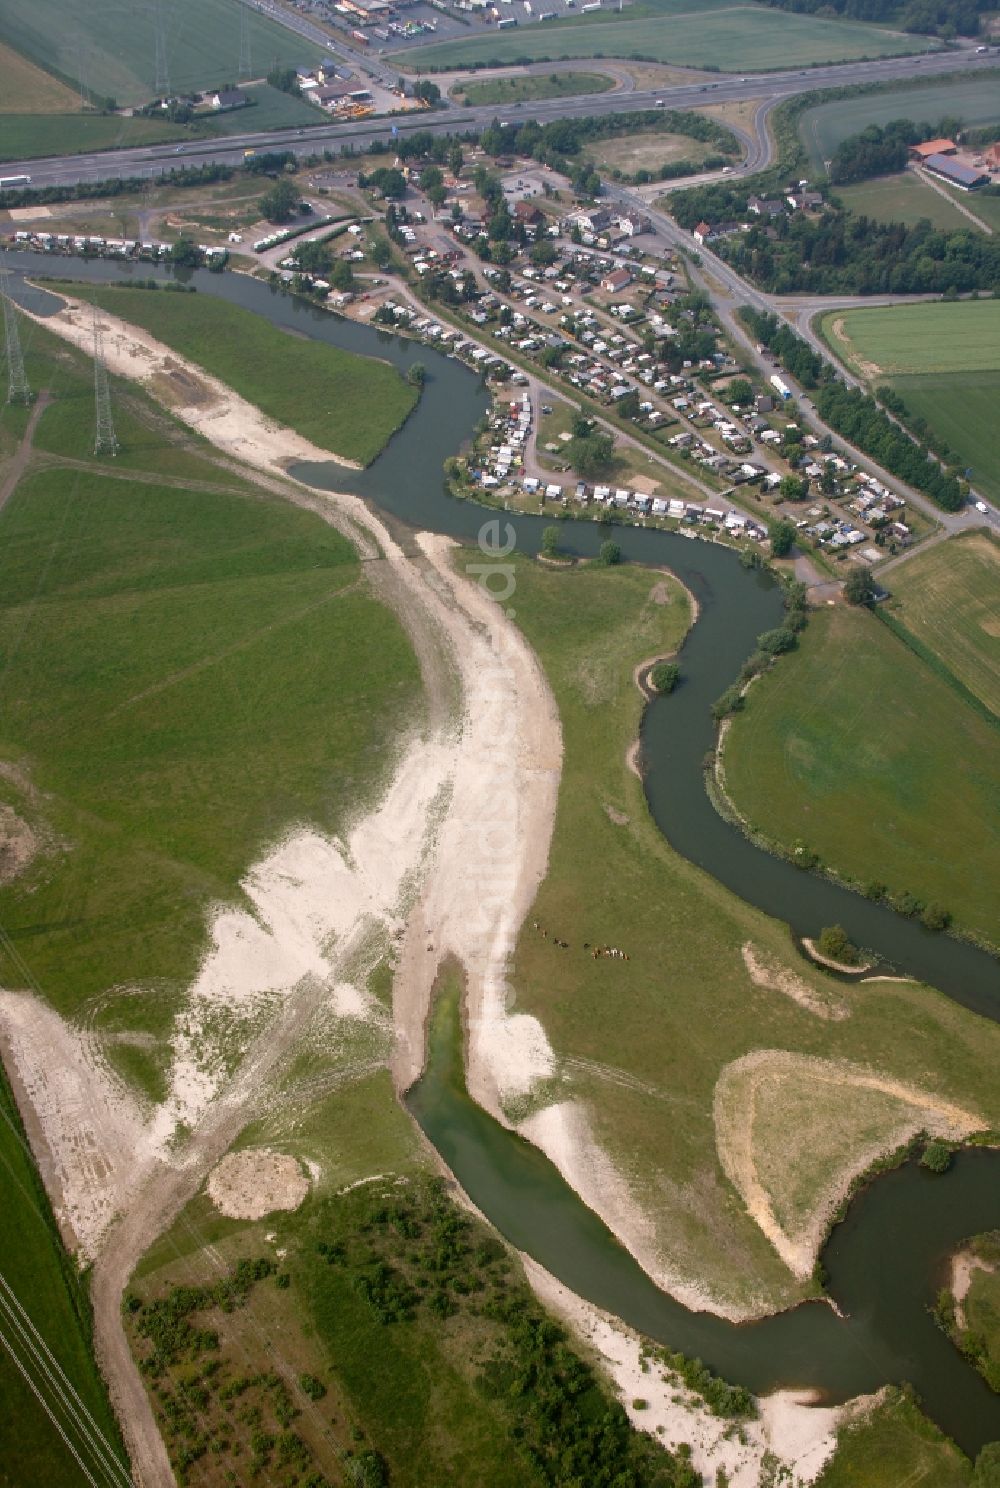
x: 959, y: 175
x: 933, y: 147
x: 228, y: 98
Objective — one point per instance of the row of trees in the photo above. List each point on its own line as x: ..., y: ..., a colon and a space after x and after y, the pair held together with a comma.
x: 881, y: 151
x: 857, y: 416
x: 944, y: 18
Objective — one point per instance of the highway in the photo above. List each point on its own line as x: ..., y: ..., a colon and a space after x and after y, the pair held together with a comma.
x: 770, y: 88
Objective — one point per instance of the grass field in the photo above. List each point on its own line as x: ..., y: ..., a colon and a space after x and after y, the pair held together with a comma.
x: 115, y: 56
x: 901, y: 198
x: 344, y: 403
x: 185, y: 675
x: 730, y: 38
x: 943, y: 360
x: 894, y: 1446
x: 985, y: 207
x: 889, y: 341
x: 949, y: 598
x: 973, y: 100
x: 815, y: 757
x: 37, y: 1269
x: 982, y: 1310
x: 647, y: 151
x: 529, y: 87
x: 26, y: 89
x: 644, y: 1043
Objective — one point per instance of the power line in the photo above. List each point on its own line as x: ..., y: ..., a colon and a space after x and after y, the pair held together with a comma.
x: 246, y: 65
x: 161, y: 86
x: 18, y: 390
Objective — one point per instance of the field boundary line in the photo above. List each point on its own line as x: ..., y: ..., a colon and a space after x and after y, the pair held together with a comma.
x: 938, y: 667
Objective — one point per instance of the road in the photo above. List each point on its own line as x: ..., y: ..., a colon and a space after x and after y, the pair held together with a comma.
x: 769, y: 88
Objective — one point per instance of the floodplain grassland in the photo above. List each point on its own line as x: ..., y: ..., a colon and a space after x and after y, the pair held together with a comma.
x: 855, y: 747
x: 37, y: 1269
x: 532, y: 86
x: 973, y: 100
x: 892, y: 1446
x: 90, y: 44
x: 643, y: 1043
x: 191, y: 666
x: 901, y: 198
x: 729, y: 37
x: 347, y: 404
x: 26, y: 89
x: 944, y: 362
x: 948, y: 597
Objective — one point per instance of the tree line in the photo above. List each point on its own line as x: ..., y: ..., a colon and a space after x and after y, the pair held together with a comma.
x: 883, y: 151
x: 855, y: 415
x: 944, y: 18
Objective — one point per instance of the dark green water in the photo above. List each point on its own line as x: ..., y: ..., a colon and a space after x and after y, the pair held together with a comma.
x: 886, y: 1261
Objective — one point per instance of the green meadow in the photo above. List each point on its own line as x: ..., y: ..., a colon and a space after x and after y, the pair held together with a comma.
x: 902, y: 198
x: 729, y: 37
x: 531, y: 86
x: 974, y: 100
x: 855, y: 746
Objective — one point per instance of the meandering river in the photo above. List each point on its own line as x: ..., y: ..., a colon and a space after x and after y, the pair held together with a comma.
x: 886, y: 1261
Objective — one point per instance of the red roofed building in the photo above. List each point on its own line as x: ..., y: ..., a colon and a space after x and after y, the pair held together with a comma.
x: 933, y: 147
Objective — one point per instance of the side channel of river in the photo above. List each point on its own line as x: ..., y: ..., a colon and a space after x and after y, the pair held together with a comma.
x: 886, y: 1260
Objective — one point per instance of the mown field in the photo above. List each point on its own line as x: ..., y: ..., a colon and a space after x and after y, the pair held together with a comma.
x: 347, y: 404
x: 189, y: 669
x: 973, y: 100
x: 530, y: 87
x: 643, y: 1043
x: 854, y: 746
x: 647, y: 151
x: 26, y: 89
x: 901, y: 198
x: 727, y: 37
x: 949, y: 598
x: 943, y: 360
x: 38, y: 1271
x: 894, y: 1446
x: 115, y: 56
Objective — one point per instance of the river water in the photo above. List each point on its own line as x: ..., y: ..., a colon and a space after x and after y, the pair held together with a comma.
x: 887, y: 1259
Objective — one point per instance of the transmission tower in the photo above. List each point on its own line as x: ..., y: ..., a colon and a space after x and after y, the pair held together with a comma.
x: 162, y: 83
x: 17, y: 382
x: 246, y: 65
x: 105, y: 438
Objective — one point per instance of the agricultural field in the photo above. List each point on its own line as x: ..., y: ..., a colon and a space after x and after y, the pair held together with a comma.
x: 944, y: 362
x: 973, y: 100
x: 344, y: 403
x: 26, y: 89
x: 949, y: 599
x: 894, y: 1446
x: 621, y: 1032
x: 532, y: 86
x: 90, y: 45
x: 812, y: 725
x: 727, y: 37
x: 200, y: 630
x: 901, y: 198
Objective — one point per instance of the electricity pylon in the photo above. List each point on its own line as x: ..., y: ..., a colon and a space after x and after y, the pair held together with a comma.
x: 105, y: 438
x: 18, y: 390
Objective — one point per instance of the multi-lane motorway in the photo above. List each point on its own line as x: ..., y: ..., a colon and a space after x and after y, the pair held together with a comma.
x: 775, y: 86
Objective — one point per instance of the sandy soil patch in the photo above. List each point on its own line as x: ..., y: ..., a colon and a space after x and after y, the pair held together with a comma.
x: 800, y: 1435
x: 776, y: 978
x: 255, y: 1182
x: 794, y: 1131
x: 817, y: 955
x: 18, y: 844
x: 963, y: 1264
x: 620, y: 818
